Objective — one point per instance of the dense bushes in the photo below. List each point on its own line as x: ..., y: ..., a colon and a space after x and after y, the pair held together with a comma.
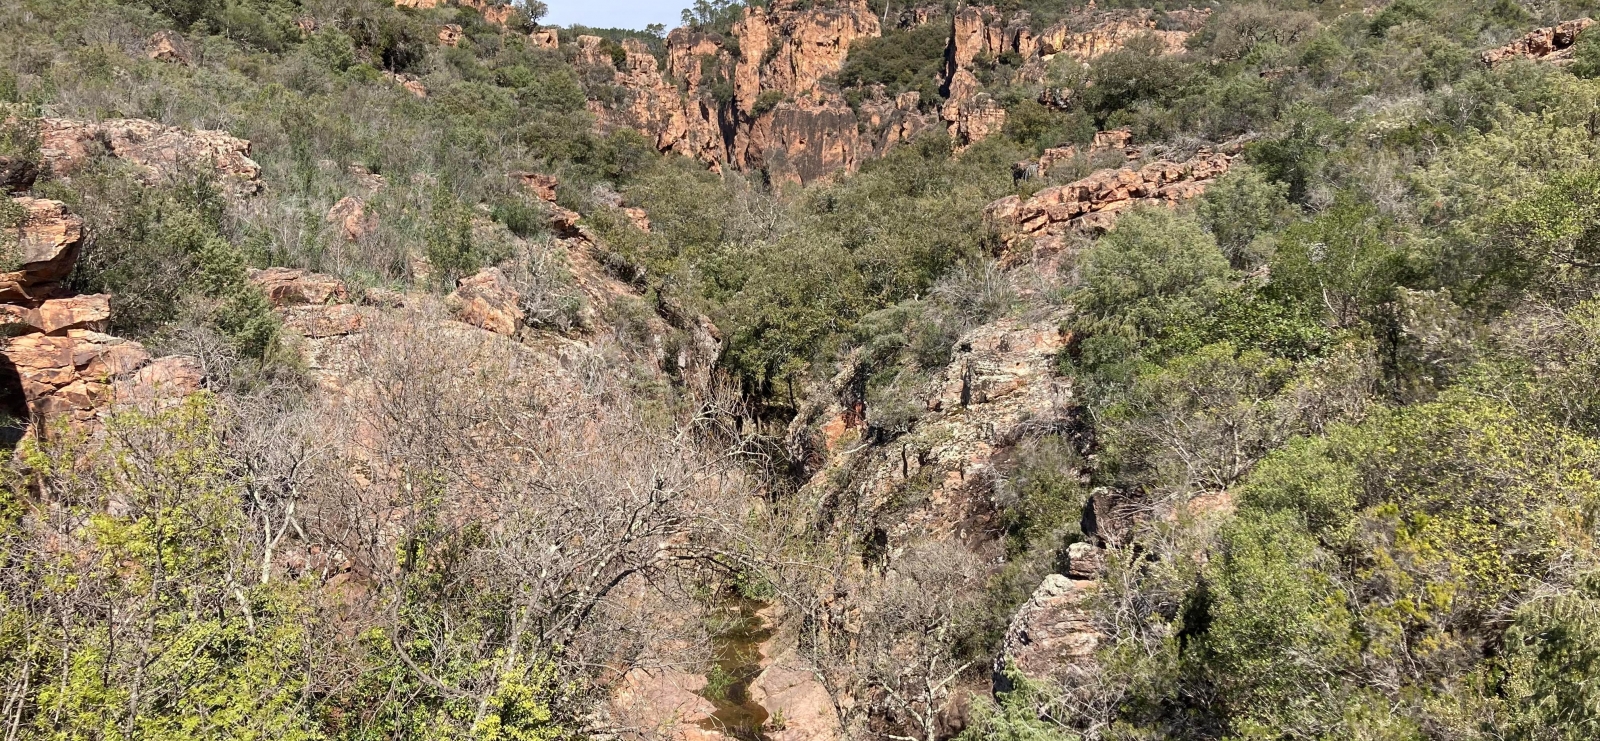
x: 899, y: 60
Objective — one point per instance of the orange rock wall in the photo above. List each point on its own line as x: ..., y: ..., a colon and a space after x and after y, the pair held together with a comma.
x: 778, y: 110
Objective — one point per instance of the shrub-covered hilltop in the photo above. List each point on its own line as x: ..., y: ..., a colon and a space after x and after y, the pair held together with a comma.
x: 819, y: 370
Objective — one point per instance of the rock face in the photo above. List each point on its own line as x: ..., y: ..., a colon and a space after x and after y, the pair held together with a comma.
x: 999, y: 389
x: 1053, y: 637
x: 160, y: 152
x: 763, y: 100
x: 1549, y: 44
x: 57, y: 363
x: 45, y: 247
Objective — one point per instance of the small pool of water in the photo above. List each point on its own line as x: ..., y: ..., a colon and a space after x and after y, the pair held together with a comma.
x: 738, y: 662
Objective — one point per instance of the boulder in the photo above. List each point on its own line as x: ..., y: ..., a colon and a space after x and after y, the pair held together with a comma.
x: 450, y: 34
x: 488, y: 300
x: 290, y: 286
x: 1084, y: 561
x: 352, y: 219
x: 171, y: 377
x: 169, y: 46
x: 46, y: 249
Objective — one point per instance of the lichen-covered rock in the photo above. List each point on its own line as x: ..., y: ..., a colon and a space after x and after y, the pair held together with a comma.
x: 291, y: 286
x: 159, y: 151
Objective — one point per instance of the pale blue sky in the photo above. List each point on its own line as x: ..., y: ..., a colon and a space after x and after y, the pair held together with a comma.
x: 614, y: 13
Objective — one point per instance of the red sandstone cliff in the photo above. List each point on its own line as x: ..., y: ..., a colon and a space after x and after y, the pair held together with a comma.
x: 763, y: 98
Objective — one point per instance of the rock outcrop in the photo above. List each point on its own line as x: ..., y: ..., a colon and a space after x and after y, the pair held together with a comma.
x: 169, y: 46
x: 764, y: 100
x: 350, y: 216
x: 159, y: 152
x: 1550, y: 44
x: 1053, y: 636
x: 44, y: 247
x: 290, y: 287
x: 487, y: 300
x: 795, y: 695
x: 664, y: 703
x: 449, y: 34
x: 57, y: 362
x: 1092, y: 203
x: 999, y: 389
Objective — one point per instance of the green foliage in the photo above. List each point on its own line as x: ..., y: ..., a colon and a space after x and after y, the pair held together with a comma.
x: 214, y: 660
x: 1551, y: 659
x: 1139, y: 74
x: 1039, y: 127
x: 1586, y: 57
x: 1045, y: 499
x: 1345, y: 259
x: 1145, y: 283
x: 1016, y: 715
x: 1241, y: 211
x: 161, y: 251
x: 900, y: 61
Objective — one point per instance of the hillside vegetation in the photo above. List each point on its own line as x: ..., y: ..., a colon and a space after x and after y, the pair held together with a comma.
x: 1334, y: 425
